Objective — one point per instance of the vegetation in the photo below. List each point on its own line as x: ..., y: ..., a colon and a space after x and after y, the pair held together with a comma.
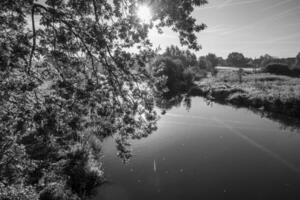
x: 277, y: 68
x: 273, y: 93
x: 176, y: 70
x: 69, y: 78
x: 171, y: 76
x: 237, y: 59
x: 56, y: 105
x: 283, y: 66
x: 187, y: 58
x: 296, y: 67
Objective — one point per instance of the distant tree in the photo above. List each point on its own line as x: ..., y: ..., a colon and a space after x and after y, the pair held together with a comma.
x: 265, y: 60
x: 236, y: 59
x: 297, y: 61
x: 170, y: 75
x: 213, y: 59
x: 173, y: 51
x: 191, y: 58
x: 186, y: 56
x: 249, y: 62
x: 203, y: 63
x: 221, y: 61
x: 296, y: 67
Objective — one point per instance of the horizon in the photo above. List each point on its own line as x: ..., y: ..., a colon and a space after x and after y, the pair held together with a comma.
x: 251, y: 27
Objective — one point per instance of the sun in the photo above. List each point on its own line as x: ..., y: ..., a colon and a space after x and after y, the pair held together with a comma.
x: 144, y: 13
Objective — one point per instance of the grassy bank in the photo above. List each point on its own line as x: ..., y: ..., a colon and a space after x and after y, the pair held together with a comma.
x: 266, y: 92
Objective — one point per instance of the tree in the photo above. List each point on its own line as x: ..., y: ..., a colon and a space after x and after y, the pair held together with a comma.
x: 55, y: 104
x: 236, y: 59
x: 170, y: 70
x: 295, y: 68
x: 221, y: 61
x: 266, y: 60
x: 186, y: 56
x: 297, y: 62
x: 202, y: 62
x: 213, y: 59
x: 208, y: 63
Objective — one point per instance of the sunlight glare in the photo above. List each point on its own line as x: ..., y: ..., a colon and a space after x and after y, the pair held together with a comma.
x: 144, y: 13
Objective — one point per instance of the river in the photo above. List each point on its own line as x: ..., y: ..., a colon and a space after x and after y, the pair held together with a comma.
x: 210, y: 151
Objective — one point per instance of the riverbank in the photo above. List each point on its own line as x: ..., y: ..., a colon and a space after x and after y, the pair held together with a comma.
x: 266, y: 92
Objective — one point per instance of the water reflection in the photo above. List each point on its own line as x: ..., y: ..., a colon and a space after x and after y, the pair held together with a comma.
x: 206, y: 152
x: 170, y: 101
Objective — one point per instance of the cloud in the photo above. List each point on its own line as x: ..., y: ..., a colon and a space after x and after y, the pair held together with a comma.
x: 217, y: 29
x: 286, y: 39
x: 229, y: 3
x: 269, y: 18
x: 280, y: 3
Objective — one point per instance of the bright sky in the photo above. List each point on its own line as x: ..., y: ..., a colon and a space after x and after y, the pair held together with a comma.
x: 253, y: 27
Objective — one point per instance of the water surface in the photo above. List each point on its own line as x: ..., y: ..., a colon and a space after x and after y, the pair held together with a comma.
x: 209, y: 152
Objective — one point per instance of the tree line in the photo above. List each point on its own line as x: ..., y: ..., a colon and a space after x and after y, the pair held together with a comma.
x: 198, y: 65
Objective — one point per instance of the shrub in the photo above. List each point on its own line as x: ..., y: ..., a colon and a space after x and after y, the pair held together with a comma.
x: 295, y: 71
x: 198, y: 73
x: 296, y: 67
x: 188, y: 77
x: 170, y: 68
x: 278, y: 69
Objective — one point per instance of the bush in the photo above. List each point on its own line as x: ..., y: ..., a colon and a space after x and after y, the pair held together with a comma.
x: 188, y: 77
x: 296, y: 69
x: 278, y: 69
x: 197, y: 73
x: 173, y: 70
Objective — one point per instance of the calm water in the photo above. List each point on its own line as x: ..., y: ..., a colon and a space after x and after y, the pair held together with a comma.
x: 208, y: 152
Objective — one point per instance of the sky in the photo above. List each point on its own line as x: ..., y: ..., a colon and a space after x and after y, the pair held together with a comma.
x: 252, y: 27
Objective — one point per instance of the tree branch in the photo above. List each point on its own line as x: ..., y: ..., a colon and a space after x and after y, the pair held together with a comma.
x: 34, y: 37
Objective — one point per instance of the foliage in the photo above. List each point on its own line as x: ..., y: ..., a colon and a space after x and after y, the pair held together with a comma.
x: 236, y: 59
x: 209, y: 63
x: 213, y: 59
x: 277, y: 68
x: 204, y: 63
x: 197, y: 72
x: 265, y: 60
x: 268, y: 92
x: 54, y: 98
x: 296, y: 66
x: 176, y: 69
x: 188, y: 77
x: 297, y: 62
x: 171, y: 71
x: 17, y: 192
x: 187, y: 58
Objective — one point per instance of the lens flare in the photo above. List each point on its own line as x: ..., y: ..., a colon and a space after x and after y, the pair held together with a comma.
x: 144, y: 13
